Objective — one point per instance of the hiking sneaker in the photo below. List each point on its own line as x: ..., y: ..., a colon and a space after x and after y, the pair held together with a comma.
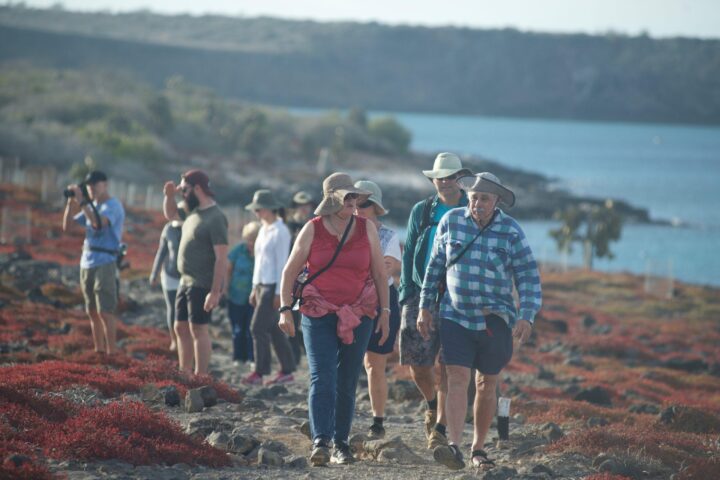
x: 320, y: 455
x: 253, y: 379
x: 450, y: 456
x: 281, y: 378
x: 430, y: 421
x: 376, y: 432
x: 436, y: 439
x: 342, y: 454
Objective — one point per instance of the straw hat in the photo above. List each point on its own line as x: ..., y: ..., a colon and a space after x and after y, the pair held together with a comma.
x: 446, y: 164
x: 335, y: 188
x: 375, y: 196
x: 263, y: 199
x: 488, y: 183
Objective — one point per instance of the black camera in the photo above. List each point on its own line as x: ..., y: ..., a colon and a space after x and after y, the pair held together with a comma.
x: 69, y: 193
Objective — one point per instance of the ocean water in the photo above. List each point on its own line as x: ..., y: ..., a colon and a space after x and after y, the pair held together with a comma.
x: 671, y: 170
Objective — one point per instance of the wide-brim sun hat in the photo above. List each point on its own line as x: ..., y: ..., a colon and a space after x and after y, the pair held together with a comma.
x: 335, y: 188
x: 488, y: 183
x: 445, y: 165
x: 302, y: 198
x: 263, y: 199
x: 375, y: 196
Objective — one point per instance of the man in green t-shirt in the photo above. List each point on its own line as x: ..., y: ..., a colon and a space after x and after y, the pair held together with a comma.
x: 202, y: 263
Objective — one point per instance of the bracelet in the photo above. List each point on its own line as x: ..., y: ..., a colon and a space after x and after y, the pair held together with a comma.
x: 387, y: 309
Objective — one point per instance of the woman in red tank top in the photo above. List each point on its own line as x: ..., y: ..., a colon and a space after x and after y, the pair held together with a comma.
x: 338, y: 307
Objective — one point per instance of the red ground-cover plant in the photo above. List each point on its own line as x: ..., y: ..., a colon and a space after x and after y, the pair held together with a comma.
x: 673, y: 449
x: 606, y: 476
x: 131, y: 432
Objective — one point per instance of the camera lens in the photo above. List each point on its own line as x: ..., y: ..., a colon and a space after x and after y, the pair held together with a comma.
x: 68, y: 193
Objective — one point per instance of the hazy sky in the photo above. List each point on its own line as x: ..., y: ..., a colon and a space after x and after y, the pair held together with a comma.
x: 660, y: 18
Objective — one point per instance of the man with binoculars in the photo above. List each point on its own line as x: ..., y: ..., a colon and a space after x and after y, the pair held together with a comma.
x: 90, y: 206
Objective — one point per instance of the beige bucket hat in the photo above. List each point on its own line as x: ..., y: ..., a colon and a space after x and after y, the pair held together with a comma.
x: 263, y: 199
x: 488, y: 183
x: 375, y: 196
x: 335, y: 188
x: 446, y: 164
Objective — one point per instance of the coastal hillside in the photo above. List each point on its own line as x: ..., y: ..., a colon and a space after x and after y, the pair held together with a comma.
x: 615, y: 384
x: 146, y: 135
x: 379, y: 67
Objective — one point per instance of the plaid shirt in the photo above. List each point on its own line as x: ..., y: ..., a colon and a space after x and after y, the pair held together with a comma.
x: 481, y: 282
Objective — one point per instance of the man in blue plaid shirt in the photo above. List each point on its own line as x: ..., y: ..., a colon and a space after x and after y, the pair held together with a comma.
x: 481, y: 252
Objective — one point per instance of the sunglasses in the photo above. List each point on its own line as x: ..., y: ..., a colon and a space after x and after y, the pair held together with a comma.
x: 366, y: 204
x: 186, y: 188
x: 450, y: 178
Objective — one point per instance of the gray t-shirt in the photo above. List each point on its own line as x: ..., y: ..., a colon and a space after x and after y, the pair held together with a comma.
x: 202, y: 230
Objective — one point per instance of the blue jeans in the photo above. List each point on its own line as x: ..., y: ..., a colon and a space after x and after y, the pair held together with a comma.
x: 334, y: 372
x: 240, y: 316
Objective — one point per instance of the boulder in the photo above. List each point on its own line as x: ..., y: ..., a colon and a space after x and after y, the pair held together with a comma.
x: 172, y: 396
x: 595, y: 395
x: 269, y: 458
x: 552, y: 431
x: 219, y: 440
x: 243, y: 444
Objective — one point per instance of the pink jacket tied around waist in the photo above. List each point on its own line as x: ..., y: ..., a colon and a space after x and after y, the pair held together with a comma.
x: 314, y: 305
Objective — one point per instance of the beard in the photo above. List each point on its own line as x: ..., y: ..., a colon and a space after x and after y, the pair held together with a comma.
x: 191, y: 201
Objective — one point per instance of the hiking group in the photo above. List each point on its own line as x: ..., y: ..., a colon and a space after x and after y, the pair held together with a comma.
x: 337, y: 288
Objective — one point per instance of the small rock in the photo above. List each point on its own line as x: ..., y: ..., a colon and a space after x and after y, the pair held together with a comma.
x: 545, y: 374
x: 269, y: 458
x: 305, y: 429
x: 357, y: 442
x: 540, y: 468
x: 150, y: 393
x: 644, y: 408
x: 597, y: 422
x: 297, y: 462
x: 275, y: 446
x: 252, y: 404
x: 172, y: 396
x: 238, y: 460
x: 219, y: 440
x: 588, y: 321
x: 499, y: 473
x: 209, y: 395
x: 194, y: 401
x: 281, y: 421
x: 519, y: 419
x: 296, y: 412
x: 595, y: 395
x: 243, y: 444
x: 552, y: 431
x: 16, y: 460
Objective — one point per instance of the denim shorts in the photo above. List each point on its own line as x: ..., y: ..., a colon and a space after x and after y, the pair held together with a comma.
x: 488, y: 351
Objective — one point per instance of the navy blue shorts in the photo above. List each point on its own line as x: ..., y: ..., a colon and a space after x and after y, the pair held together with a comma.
x: 190, y: 305
x: 488, y: 350
x: 389, y: 344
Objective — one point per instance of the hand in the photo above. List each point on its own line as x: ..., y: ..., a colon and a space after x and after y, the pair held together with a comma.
x: 153, y: 281
x: 425, y: 323
x: 287, y: 323
x: 169, y: 189
x: 383, y: 325
x: 211, y: 301
x: 276, y: 302
x: 522, y: 331
x: 78, y: 197
x: 253, y: 299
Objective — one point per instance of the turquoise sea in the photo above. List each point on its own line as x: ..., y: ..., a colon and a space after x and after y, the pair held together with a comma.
x: 671, y: 170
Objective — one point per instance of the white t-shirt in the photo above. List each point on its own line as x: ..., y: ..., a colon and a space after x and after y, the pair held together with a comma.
x: 390, y: 246
x: 272, y: 248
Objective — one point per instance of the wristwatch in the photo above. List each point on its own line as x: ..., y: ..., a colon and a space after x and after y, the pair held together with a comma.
x: 284, y: 308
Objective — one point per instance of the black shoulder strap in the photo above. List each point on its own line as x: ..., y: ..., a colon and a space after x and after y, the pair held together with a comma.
x: 427, y: 207
x: 337, y: 252
x: 457, y: 258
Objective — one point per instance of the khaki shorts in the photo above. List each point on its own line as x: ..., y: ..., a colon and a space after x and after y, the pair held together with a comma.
x: 99, y: 287
x: 415, y: 350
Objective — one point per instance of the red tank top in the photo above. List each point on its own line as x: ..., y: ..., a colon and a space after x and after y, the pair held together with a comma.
x: 342, y: 283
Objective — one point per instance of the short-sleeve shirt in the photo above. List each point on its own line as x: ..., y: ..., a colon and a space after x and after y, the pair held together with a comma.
x: 106, y: 238
x: 240, y: 282
x: 202, y: 230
